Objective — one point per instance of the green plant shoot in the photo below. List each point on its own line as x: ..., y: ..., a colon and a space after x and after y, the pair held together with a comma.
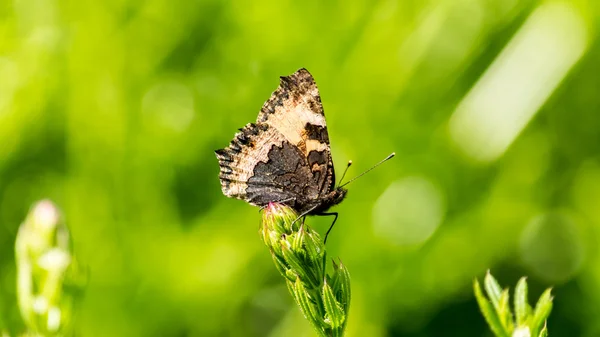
x: 299, y: 255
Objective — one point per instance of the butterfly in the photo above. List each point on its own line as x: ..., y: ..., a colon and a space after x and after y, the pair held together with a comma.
x: 285, y: 156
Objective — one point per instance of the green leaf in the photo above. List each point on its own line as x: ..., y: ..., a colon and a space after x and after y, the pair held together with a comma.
x: 346, y: 293
x: 283, y: 225
x: 275, y: 244
x: 308, y: 272
x: 493, y: 289
x: 297, y: 265
x: 504, y: 311
x: 297, y: 240
x: 291, y: 288
x: 521, y: 305
x: 291, y: 275
x: 541, y: 312
x: 291, y: 259
x: 281, y: 266
x: 544, y: 332
x: 489, y: 312
x: 303, y: 299
x: 334, y: 279
x: 314, y: 249
x: 334, y: 311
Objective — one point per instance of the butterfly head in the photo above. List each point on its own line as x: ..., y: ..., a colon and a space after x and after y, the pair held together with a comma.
x: 327, y: 201
x: 337, y: 195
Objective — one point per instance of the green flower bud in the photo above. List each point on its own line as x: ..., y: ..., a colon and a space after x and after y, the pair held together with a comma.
x: 47, y: 273
x: 299, y: 256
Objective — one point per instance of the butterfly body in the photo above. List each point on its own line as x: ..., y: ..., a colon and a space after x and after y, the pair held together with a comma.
x: 285, y: 156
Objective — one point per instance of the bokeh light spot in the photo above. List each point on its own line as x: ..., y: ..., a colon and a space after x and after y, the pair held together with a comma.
x: 171, y: 103
x: 552, y: 247
x: 409, y: 211
x: 516, y: 85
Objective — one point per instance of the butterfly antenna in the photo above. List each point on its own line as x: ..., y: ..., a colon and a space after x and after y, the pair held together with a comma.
x: 346, y: 170
x: 374, y: 166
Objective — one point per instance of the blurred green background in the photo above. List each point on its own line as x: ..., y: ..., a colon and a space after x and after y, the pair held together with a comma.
x: 113, y: 110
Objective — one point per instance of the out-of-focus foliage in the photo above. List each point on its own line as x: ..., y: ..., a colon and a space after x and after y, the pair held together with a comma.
x: 520, y: 320
x: 49, y: 278
x: 113, y: 110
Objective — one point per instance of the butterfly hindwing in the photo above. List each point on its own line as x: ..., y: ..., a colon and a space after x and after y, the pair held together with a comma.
x: 285, y: 176
x: 237, y: 161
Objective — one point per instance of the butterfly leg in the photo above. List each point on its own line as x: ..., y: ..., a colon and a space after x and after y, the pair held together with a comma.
x: 303, y: 215
x: 335, y: 214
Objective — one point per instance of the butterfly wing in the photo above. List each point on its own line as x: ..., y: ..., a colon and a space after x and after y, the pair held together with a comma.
x: 286, y: 154
x: 295, y: 110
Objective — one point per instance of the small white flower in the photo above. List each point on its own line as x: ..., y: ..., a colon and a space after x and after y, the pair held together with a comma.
x: 40, y: 305
x: 45, y: 215
x: 521, y: 332
x: 55, y: 259
x: 54, y: 318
